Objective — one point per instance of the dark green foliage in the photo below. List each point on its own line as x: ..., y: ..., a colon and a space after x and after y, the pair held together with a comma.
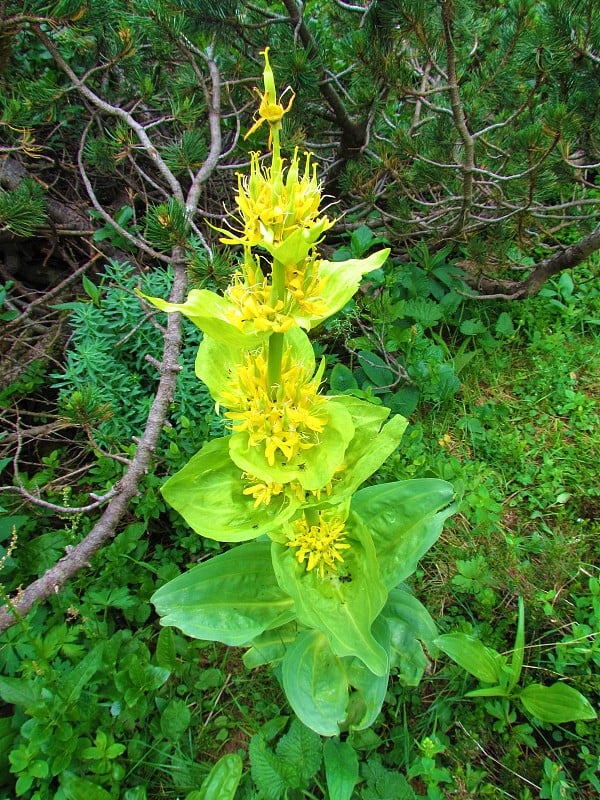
x: 23, y: 210
x: 107, y: 382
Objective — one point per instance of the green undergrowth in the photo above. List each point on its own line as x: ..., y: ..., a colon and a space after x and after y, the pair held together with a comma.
x: 99, y: 702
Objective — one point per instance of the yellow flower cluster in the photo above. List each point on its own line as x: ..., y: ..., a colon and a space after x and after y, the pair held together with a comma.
x: 274, y: 202
x: 250, y: 297
x: 264, y: 491
x: 250, y: 294
x: 320, y: 545
x: 286, y: 418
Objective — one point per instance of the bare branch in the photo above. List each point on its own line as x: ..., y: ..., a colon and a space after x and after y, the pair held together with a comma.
x: 135, y: 240
x: 567, y: 258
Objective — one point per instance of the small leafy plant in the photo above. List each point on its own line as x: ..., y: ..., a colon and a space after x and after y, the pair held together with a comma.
x: 555, y: 704
x: 314, y: 581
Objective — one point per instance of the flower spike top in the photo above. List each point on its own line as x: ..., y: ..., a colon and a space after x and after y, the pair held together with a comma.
x: 270, y: 110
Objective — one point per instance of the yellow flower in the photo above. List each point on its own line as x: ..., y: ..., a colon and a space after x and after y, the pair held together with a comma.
x: 274, y: 203
x: 306, y: 287
x: 269, y: 110
x: 286, y: 418
x: 320, y: 545
x: 262, y: 491
x: 250, y: 301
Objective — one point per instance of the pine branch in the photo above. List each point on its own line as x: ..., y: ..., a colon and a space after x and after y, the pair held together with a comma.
x: 354, y: 133
x: 114, y: 111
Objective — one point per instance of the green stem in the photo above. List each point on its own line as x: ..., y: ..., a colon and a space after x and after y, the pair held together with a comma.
x: 275, y: 149
x: 277, y: 282
x: 274, y: 361
x: 276, y: 339
x: 312, y: 516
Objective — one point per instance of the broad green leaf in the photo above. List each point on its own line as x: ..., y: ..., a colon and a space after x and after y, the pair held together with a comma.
x: 315, y: 683
x: 404, y: 400
x: 341, y: 768
x: 211, y: 313
x: 231, y: 598
x: 344, y: 609
x: 209, y: 494
x: 342, y: 279
x: 409, y: 623
x: 472, y: 655
x: 376, y: 369
x: 405, y: 519
x: 403, y: 606
x: 223, y: 779
x: 557, y: 703
x: 366, y: 702
x: 373, y: 442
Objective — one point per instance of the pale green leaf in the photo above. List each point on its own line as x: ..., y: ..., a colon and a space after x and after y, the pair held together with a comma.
x: 472, y: 655
x: 405, y: 519
x: 373, y: 442
x: 231, y: 598
x: 315, y: 683
x: 342, y: 279
x: 270, y: 646
x: 223, y: 779
x: 344, y: 609
x: 557, y: 703
x: 211, y: 313
x: 367, y: 700
x: 209, y: 494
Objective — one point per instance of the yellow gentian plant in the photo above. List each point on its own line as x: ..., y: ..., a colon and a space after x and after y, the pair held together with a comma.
x: 317, y: 585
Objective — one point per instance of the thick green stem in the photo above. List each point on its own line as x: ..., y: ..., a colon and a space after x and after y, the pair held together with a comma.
x: 312, y: 516
x: 277, y: 282
x: 276, y: 339
x: 274, y: 362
